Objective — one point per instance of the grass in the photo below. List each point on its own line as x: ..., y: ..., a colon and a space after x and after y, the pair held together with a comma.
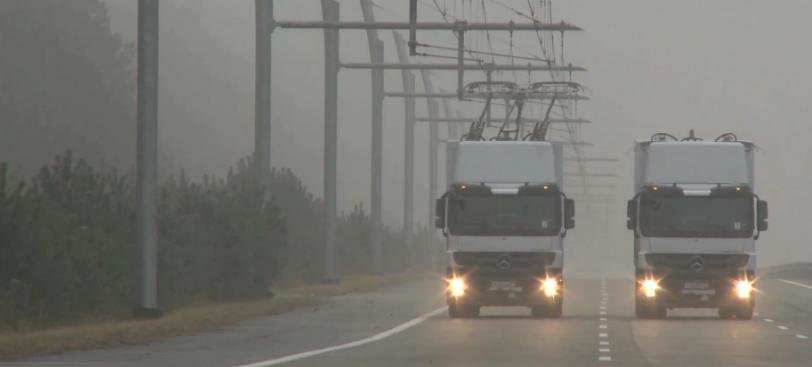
x: 182, y: 321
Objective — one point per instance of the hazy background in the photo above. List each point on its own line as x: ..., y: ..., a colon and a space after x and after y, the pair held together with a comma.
x: 712, y: 65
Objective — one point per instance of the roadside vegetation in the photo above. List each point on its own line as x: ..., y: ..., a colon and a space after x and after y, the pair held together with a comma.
x: 68, y: 245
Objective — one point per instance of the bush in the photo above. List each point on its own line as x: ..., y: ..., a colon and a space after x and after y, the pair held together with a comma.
x: 69, y: 251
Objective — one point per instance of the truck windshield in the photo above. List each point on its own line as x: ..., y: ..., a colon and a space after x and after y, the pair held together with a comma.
x: 505, y: 215
x: 697, y: 217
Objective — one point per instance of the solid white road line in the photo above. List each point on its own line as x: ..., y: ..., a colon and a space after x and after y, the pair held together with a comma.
x: 796, y: 283
x: 383, y: 335
x: 782, y: 327
x: 801, y: 336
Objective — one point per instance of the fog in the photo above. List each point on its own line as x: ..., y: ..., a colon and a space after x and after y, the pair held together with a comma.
x: 714, y: 66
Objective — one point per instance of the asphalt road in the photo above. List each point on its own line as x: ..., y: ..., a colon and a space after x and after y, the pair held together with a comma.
x: 406, y: 326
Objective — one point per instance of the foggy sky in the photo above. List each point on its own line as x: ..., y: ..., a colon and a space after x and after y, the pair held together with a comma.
x: 711, y: 65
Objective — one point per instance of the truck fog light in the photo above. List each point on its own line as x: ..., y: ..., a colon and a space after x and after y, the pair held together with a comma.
x: 650, y: 287
x: 550, y: 287
x: 456, y: 286
x: 743, y: 289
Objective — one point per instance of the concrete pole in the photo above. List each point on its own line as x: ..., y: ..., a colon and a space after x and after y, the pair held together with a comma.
x: 408, y: 144
x: 147, y: 165
x: 434, y: 142
x: 376, y: 57
x: 330, y: 12
x: 262, y: 96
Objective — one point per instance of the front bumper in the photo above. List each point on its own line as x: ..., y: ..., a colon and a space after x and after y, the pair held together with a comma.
x: 685, y: 290
x: 507, y: 289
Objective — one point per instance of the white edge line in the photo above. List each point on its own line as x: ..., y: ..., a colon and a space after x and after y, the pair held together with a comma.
x: 796, y: 283
x: 383, y: 335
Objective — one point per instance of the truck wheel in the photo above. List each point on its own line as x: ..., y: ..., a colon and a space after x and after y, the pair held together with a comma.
x: 649, y: 310
x: 538, y: 311
x: 745, y: 312
x: 452, y: 311
x: 726, y: 313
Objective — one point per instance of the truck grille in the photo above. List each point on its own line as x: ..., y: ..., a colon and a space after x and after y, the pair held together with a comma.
x: 697, y: 262
x: 504, y: 261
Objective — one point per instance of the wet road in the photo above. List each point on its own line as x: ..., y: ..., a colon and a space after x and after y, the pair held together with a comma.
x: 406, y: 326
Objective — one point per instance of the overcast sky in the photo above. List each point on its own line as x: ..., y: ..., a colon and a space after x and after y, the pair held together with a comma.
x: 711, y: 65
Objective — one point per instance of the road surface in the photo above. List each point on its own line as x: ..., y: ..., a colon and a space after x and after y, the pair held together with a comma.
x: 406, y: 326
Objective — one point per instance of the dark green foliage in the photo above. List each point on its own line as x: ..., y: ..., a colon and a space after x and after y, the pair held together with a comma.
x: 68, y: 246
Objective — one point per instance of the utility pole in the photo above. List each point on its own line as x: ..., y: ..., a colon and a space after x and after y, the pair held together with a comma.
x: 147, y: 165
x: 330, y: 12
x: 434, y: 142
x: 376, y: 56
x: 263, y: 10
x: 408, y: 143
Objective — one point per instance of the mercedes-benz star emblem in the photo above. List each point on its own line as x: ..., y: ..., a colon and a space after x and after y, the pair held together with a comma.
x: 697, y: 264
x: 503, y: 262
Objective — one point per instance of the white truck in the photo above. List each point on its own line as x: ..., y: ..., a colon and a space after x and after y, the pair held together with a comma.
x: 696, y: 219
x: 504, y: 217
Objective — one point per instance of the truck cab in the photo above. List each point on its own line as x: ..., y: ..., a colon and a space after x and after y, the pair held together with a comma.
x: 695, y: 218
x: 504, y: 217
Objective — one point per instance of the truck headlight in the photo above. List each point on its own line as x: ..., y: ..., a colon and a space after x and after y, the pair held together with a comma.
x: 456, y: 286
x: 650, y: 288
x: 550, y: 287
x: 743, y: 289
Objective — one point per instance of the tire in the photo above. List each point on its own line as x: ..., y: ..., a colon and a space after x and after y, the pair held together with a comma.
x: 743, y: 312
x: 549, y: 310
x: 452, y: 311
x: 649, y: 309
x: 726, y: 313
x: 538, y: 311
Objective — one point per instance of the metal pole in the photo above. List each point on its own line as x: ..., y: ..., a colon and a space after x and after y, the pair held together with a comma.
x: 376, y: 57
x: 330, y: 12
x: 434, y: 141
x: 147, y: 190
x: 412, y: 29
x: 408, y: 144
x: 262, y: 96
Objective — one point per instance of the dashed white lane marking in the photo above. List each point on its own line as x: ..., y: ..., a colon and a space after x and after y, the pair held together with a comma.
x: 603, y: 312
x: 603, y: 319
x: 383, y: 335
x: 801, y: 336
x: 603, y: 307
x: 603, y: 342
x: 782, y: 327
x: 605, y: 358
x: 602, y: 326
x: 603, y: 335
x: 755, y: 313
x: 796, y: 283
x: 604, y: 350
x: 768, y: 320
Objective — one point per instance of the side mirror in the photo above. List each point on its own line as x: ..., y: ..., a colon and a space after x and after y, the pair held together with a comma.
x: 761, y: 215
x: 569, y: 213
x: 439, y: 212
x: 631, y: 213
